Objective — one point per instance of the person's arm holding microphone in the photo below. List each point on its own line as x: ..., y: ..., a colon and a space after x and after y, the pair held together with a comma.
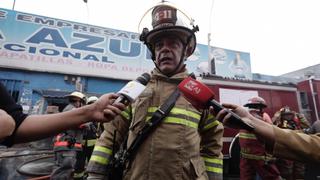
x: 33, y: 127
x: 40, y: 126
x: 7, y: 124
x: 283, y: 143
x: 115, y: 132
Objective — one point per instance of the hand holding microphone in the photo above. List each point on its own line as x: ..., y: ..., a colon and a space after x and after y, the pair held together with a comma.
x: 133, y: 89
x: 108, y: 106
x: 200, y: 96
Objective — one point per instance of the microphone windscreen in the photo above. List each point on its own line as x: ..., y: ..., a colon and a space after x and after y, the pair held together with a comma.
x: 144, y: 78
x: 134, y: 88
x: 195, y: 92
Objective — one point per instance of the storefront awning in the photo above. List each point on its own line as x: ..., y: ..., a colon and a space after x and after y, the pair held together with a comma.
x: 61, y: 94
x: 53, y: 93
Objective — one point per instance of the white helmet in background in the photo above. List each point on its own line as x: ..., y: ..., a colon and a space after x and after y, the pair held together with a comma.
x: 92, y: 99
x: 77, y: 95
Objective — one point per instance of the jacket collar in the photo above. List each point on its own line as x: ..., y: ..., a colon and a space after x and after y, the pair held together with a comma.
x: 177, y: 78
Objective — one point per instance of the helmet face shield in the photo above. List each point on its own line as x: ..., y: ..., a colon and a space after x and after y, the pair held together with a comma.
x: 167, y: 20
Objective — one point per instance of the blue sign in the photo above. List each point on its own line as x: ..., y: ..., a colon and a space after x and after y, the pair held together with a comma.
x: 39, y: 43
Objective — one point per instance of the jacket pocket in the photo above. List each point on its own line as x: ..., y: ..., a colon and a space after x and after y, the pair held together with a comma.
x: 198, y: 167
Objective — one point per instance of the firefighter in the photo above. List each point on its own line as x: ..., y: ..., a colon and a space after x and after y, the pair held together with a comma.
x: 90, y: 132
x: 254, y: 158
x: 288, y: 119
x: 67, y: 146
x: 187, y: 143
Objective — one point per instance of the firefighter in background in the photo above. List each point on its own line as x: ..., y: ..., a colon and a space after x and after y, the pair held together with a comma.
x: 68, y: 147
x: 288, y: 119
x: 254, y: 159
x: 90, y: 133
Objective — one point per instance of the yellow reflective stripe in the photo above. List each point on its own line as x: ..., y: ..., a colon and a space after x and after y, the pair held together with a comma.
x: 256, y: 157
x: 213, y: 160
x: 126, y: 114
x: 210, y: 116
x: 180, y: 121
x: 78, y: 175
x: 213, y: 164
x: 214, y: 169
x: 185, y: 112
x: 210, y: 125
x: 103, y: 149
x: 152, y: 109
x: 177, y: 121
x: 178, y: 111
x: 91, y: 142
x: 247, y: 136
x: 99, y: 159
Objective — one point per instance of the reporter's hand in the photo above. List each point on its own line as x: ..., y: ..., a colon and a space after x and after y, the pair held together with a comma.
x: 224, y: 116
x: 104, y: 110
x: 7, y: 124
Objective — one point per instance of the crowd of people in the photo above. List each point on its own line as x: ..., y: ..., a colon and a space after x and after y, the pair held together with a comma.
x: 174, y: 140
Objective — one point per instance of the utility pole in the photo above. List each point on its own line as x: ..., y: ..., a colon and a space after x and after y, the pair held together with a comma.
x: 14, y: 3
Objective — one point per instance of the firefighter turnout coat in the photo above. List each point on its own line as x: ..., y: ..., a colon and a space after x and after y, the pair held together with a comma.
x: 296, y: 146
x: 186, y: 145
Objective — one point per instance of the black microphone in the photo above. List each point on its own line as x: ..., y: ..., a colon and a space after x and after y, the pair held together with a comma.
x: 133, y: 89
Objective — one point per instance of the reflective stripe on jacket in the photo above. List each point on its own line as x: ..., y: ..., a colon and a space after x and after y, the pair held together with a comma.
x: 251, y: 147
x: 186, y: 145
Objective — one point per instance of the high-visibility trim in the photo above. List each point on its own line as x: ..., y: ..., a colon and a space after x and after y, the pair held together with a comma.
x: 213, y: 160
x: 181, y: 121
x: 103, y: 149
x: 178, y: 116
x: 257, y: 157
x: 66, y: 143
x: 126, y: 114
x: 178, y: 111
x: 247, y: 135
x: 214, y: 165
x: 99, y: 159
x: 211, y: 125
x: 178, y: 121
x: 90, y: 142
x: 214, y: 169
x: 78, y: 175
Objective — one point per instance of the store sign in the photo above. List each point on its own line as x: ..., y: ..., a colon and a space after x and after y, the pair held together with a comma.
x: 39, y: 43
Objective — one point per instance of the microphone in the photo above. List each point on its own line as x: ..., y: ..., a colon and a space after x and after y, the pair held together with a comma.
x: 201, y: 96
x: 133, y: 89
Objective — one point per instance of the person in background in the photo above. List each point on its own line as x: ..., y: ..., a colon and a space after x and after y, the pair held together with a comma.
x: 68, y: 148
x: 34, y: 127
x: 288, y: 119
x: 254, y: 158
x: 284, y: 143
x: 187, y: 143
x: 91, y: 132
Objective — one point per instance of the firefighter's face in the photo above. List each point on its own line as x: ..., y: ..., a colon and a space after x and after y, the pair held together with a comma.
x: 288, y: 116
x: 77, y: 102
x: 168, y: 51
x: 256, y: 112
